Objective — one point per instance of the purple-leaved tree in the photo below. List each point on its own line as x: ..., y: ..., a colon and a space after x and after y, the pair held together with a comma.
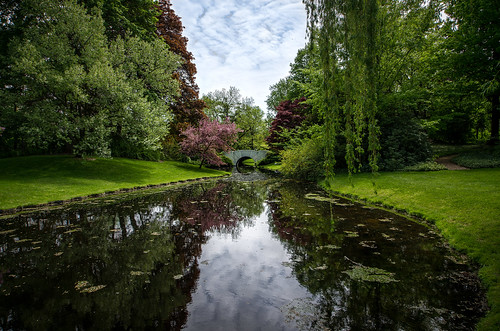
x: 209, y: 139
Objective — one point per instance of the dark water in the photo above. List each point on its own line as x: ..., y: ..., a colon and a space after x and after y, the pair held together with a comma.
x: 230, y: 255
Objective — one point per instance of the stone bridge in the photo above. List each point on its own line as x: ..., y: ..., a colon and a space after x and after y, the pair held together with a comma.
x: 238, y: 156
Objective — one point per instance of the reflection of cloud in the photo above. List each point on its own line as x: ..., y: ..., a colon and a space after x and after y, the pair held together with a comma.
x: 247, y: 44
x: 243, y: 282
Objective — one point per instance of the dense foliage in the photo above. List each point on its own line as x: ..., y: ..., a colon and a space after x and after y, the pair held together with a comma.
x: 289, y: 115
x: 67, y: 87
x: 384, y: 80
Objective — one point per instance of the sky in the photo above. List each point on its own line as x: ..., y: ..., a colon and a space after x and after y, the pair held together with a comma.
x: 248, y: 44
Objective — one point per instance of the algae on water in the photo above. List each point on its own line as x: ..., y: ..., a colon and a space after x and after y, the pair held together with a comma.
x: 369, y: 274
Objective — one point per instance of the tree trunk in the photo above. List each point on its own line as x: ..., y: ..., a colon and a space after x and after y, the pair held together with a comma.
x: 495, y: 118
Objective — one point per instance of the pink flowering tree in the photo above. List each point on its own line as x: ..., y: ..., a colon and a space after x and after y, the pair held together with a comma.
x: 208, y: 140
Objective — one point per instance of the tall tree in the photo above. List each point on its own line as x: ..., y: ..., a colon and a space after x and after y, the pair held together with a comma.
x: 250, y: 119
x: 187, y: 107
x: 475, y: 42
x: 348, y: 40
x: 222, y: 104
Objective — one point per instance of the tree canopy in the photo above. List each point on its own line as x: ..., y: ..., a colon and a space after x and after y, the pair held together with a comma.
x: 67, y: 87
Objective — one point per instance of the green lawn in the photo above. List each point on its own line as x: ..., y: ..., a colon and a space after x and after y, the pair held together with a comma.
x: 464, y: 205
x: 40, y: 179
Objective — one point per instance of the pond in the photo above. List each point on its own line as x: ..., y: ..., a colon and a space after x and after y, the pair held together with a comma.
x: 231, y: 254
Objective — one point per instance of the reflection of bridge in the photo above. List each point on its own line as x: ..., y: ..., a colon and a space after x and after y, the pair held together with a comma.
x: 239, y: 156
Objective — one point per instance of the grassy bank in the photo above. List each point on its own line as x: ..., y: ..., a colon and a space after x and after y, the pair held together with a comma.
x: 41, y: 179
x: 464, y: 205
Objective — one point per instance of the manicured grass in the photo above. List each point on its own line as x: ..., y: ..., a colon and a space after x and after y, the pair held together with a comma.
x: 275, y: 167
x: 41, y: 179
x: 465, y: 206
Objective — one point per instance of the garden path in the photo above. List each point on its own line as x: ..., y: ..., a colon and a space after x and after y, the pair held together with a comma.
x: 447, y: 162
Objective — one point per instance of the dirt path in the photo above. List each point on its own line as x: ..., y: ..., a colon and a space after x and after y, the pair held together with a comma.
x: 446, y: 161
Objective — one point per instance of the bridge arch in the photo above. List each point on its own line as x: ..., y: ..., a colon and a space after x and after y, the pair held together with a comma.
x: 238, y: 156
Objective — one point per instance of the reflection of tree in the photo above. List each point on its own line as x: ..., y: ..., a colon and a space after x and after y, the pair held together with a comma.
x: 126, y: 266
x: 89, y: 269
x: 323, y: 246
x: 223, y: 208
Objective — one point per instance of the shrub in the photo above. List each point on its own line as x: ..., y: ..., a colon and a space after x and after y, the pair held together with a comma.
x: 425, y: 166
x: 403, y: 143
x: 488, y: 157
x: 304, y: 161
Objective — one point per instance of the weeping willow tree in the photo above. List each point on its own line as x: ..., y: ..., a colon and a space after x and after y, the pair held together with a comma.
x: 346, y: 32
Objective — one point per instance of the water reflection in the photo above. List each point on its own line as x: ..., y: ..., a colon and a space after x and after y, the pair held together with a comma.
x: 369, y: 269
x: 234, y: 255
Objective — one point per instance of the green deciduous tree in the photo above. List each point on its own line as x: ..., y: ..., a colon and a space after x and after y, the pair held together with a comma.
x: 66, y: 88
x: 474, y: 31
x: 222, y: 104
x: 126, y: 17
x: 229, y: 104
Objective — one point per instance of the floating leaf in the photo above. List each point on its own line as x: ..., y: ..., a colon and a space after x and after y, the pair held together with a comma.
x: 7, y: 231
x: 81, y: 284
x: 351, y: 234
x: 23, y: 241
x: 93, y: 289
x: 137, y: 273
x: 342, y: 204
x: 368, y: 244
x: 369, y: 274
x: 156, y: 234
x: 328, y: 247
x: 317, y: 197
x: 58, y: 254
x: 74, y: 230
x: 177, y: 277
x: 385, y: 220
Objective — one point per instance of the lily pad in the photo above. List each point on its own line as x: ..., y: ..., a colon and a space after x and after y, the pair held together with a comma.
x: 93, y: 289
x: 328, y: 247
x: 369, y: 274
x: 317, y: 197
x: 81, y: 285
x: 351, y: 234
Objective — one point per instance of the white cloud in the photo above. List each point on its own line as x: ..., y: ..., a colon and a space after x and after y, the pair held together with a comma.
x: 248, y: 44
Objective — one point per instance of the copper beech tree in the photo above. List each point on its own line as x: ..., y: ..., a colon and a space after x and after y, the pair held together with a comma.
x: 187, y: 107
